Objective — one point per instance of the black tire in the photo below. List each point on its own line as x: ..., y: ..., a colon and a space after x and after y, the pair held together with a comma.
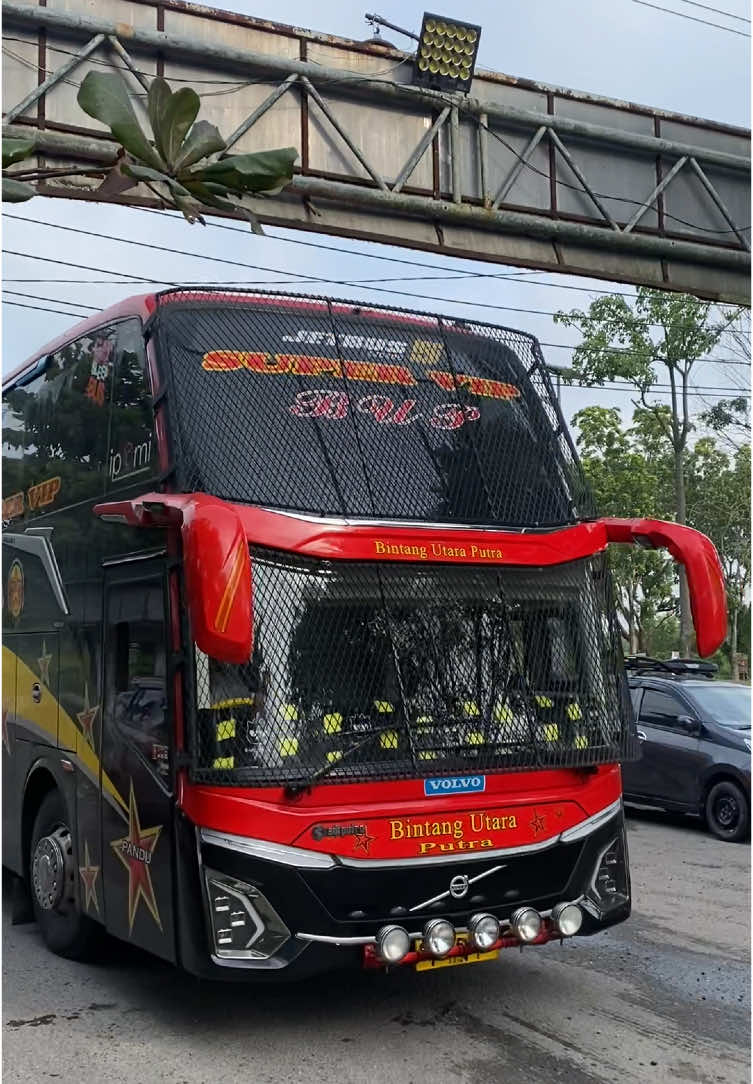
x: 65, y: 930
x: 727, y: 812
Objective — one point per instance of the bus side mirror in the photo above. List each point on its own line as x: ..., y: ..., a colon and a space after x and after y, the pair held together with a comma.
x: 218, y: 582
x: 216, y: 562
x: 708, y: 601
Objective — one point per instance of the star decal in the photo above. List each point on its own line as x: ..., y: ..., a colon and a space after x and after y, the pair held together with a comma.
x: 135, y: 852
x: 44, y: 665
x: 362, y: 843
x: 89, y: 874
x: 6, y: 735
x: 537, y: 823
x: 86, y: 718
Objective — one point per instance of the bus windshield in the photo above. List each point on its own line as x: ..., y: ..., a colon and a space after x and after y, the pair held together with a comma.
x: 335, y: 411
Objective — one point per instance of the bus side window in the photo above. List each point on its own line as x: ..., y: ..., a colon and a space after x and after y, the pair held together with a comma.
x: 132, y: 455
x: 137, y: 686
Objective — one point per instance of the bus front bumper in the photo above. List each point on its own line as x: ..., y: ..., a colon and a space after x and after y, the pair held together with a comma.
x: 271, y: 912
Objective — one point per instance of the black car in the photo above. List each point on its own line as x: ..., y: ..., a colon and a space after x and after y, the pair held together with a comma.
x: 694, y: 739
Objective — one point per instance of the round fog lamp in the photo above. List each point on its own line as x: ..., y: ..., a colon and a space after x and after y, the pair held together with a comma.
x: 439, y: 936
x: 483, y: 931
x: 567, y: 918
x: 393, y: 943
x: 526, y: 923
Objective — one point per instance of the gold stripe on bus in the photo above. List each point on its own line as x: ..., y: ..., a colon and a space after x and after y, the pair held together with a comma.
x: 231, y: 588
x: 50, y: 717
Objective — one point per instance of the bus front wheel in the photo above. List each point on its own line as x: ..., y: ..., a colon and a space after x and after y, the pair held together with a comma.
x: 52, y: 879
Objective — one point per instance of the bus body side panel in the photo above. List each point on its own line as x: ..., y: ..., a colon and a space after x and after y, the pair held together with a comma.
x: 137, y: 800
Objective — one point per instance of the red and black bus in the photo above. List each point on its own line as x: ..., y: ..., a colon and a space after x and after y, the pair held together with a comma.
x: 310, y: 657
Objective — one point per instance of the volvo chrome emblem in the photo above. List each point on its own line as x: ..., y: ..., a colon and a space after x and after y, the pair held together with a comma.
x: 459, y: 886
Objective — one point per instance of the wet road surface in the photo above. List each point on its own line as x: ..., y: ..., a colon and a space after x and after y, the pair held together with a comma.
x: 664, y: 997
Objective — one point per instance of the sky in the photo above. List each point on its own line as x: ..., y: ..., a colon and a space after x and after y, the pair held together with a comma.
x: 619, y: 49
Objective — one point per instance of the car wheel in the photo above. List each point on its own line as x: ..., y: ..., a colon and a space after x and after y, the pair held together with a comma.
x: 52, y: 878
x: 727, y: 812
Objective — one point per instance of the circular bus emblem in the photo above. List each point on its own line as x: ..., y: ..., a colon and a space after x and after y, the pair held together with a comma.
x: 15, y: 596
x: 458, y: 886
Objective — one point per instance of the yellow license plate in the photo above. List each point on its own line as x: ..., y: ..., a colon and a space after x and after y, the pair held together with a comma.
x: 454, y: 961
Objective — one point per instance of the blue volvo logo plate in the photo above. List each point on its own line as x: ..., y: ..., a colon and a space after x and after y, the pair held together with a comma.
x: 454, y: 784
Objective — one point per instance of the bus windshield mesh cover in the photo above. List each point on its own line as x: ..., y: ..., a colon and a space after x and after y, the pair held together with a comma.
x: 317, y: 406
x: 378, y: 670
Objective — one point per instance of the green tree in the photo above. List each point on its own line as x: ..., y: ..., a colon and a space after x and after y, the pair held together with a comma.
x: 719, y: 505
x: 628, y: 470
x: 660, y: 337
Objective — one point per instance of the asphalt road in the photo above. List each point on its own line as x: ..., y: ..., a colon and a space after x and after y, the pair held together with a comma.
x: 664, y: 997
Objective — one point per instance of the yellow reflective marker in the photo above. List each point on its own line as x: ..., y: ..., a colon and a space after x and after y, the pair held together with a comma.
x: 233, y: 702
x: 470, y: 707
x: 383, y: 706
x: 503, y: 713
x: 544, y: 702
x: 426, y: 755
x: 388, y: 739
x: 224, y: 762
x: 290, y: 712
x: 573, y: 711
x: 551, y: 732
x: 476, y: 738
x: 288, y: 747
x: 581, y: 741
x: 336, y: 754
x: 333, y: 722
x: 226, y: 729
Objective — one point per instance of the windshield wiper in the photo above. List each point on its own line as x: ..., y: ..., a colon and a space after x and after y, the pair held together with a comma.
x: 292, y: 790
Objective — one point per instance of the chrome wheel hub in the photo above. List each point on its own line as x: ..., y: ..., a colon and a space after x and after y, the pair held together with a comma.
x: 52, y: 869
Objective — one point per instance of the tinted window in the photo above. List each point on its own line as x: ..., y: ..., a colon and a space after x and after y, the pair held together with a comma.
x: 132, y: 452
x: 137, y: 686
x: 635, y: 696
x: 354, y: 415
x: 87, y: 413
x: 661, y: 709
x: 63, y: 413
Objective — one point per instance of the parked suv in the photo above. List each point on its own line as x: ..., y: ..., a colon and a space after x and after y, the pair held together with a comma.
x: 694, y: 737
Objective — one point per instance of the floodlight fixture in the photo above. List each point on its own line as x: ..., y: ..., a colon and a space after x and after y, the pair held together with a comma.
x: 446, y: 54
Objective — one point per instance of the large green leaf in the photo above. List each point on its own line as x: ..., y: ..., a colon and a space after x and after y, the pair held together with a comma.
x: 16, y: 191
x: 104, y: 96
x: 203, y: 139
x: 265, y: 171
x: 15, y: 150
x: 157, y: 101
x: 182, y: 110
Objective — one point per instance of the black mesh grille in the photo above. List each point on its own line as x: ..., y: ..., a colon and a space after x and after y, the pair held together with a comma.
x: 378, y: 670
x: 312, y: 405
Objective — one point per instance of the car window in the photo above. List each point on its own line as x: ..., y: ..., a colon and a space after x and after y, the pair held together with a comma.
x: 635, y: 696
x: 661, y: 709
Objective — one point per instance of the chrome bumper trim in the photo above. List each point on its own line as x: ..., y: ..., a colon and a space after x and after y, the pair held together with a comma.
x: 304, y: 859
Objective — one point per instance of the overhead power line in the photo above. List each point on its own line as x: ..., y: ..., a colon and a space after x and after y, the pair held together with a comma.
x: 615, y: 384
x: 292, y: 275
x: 694, y: 18
x: 716, y: 11
x: 556, y: 346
